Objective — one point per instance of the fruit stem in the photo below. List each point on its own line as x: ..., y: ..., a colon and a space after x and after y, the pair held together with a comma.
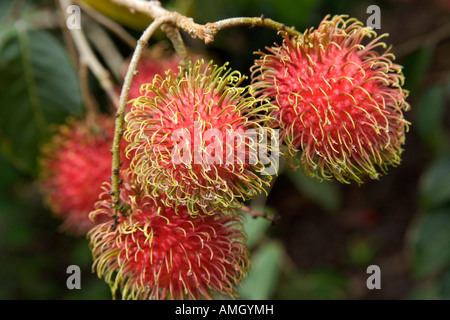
x: 120, y: 115
x: 262, y: 21
x: 178, y: 44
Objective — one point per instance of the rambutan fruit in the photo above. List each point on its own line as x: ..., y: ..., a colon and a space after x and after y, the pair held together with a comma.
x: 147, y: 68
x: 156, y: 253
x: 340, y: 102
x: 74, y: 164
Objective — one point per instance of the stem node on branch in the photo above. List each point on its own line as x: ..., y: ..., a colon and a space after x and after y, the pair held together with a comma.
x: 256, y: 214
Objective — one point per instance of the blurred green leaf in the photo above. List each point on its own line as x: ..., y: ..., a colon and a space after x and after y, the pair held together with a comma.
x: 415, y: 67
x: 5, y: 6
x: 429, y: 121
x: 6, y: 33
x: 208, y: 11
x: 433, y: 289
x: 445, y: 286
x: 361, y: 251
x: 92, y: 288
x: 435, y: 183
x: 282, y: 11
x: 429, y: 291
x: 264, y: 274
x: 255, y: 229
x: 215, y: 10
x: 16, y: 231
x: 81, y: 253
x: 9, y: 175
x: 314, y: 285
x: 38, y: 87
x: 430, y: 243
x: 326, y: 194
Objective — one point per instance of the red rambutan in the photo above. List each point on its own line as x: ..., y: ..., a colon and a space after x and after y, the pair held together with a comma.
x: 147, y: 69
x: 340, y: 103
x: 197, y: 139
x: 156, y: 253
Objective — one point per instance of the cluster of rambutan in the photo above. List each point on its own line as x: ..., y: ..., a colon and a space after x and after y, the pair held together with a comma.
x: 176, y: 242
x: 190, y: 162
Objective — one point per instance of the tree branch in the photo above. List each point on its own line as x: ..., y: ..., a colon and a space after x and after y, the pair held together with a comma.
x: 154, y: 10
x: 203, y: 32
x: 215, y: 27
x: 90, y: 103
x: 178, y: 44
x: 255, y: 214
x: 106, y: 48
x: 111, y: 25
x: 87, y: 56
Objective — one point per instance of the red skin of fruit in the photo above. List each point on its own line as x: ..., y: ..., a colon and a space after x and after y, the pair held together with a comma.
x: 147, y: 69
x: 339, y: 102
x: 200, y: 111
x: 153, y: 252
x: 75, y: 163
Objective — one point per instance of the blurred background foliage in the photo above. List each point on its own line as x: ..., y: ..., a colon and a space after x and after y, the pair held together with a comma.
x: 328, y: 233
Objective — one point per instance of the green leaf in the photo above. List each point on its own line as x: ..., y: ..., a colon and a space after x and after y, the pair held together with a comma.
x: 15, y: 230
x: 5, y: 6
x: 428, y: 291
x: 6, y: 33
x: 9, y: 175
x: 315, y: 285
x: 433, y: 289
x: 324, y: 193
x: 38, y: 87
x: 434, y: 185
x: 298, y: 18
x: 256, y: 228
x: 264, y: 274
x: 430, y: 242
x: 429, y: 121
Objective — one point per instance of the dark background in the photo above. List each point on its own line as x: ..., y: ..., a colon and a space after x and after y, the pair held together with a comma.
x: 329, y: 233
